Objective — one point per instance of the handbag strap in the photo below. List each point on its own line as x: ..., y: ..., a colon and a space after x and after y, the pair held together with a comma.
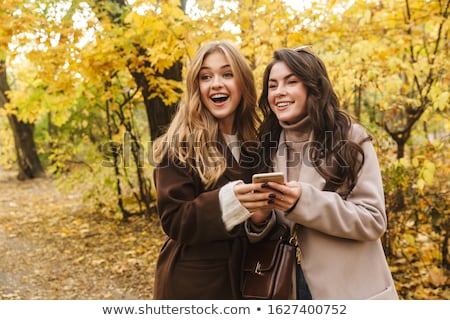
x: 293, y: 240
x: 282, y: 231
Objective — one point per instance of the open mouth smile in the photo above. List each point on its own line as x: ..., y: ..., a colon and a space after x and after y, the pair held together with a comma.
x: 284, y: 104
x: 219, y: 97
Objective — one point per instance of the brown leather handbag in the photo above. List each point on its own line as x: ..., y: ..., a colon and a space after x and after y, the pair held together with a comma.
x: 268, y: 266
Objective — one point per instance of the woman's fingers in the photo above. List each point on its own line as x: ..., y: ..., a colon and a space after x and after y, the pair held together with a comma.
x: 253, y: 196
x: 271, y: 195
x: 287, y: 194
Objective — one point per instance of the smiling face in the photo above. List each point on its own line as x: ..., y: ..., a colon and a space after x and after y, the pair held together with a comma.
x: 286, y: 94
x: 220, y: 91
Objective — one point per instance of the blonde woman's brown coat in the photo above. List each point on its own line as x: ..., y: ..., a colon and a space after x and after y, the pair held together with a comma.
x: 200, y: 259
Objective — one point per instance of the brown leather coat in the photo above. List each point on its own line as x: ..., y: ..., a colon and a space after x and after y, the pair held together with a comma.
x: 200, y: 259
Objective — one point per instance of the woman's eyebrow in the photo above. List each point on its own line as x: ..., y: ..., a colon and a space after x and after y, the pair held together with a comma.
x: 222, y: 67
x: 284, y: 78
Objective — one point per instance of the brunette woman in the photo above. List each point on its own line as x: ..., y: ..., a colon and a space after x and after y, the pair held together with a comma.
x: 333, y: 199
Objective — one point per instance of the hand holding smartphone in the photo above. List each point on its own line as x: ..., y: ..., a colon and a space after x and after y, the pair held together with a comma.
x: 277, y: 177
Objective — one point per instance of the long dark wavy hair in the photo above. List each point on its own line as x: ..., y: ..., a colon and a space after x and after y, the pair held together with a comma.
x: 337, y: 159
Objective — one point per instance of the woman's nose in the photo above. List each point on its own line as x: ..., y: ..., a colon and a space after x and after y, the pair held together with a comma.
x: 217, y: 81
x: 280, y: 91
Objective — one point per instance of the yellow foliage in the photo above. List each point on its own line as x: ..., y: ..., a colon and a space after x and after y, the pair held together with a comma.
x: 392, y: 62
x: 428, y: 171
x: 420, y: 185
x: 442, y: 102
x: 437, y: 276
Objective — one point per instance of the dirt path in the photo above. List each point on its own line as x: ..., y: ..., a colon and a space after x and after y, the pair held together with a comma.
x: 51, y: 247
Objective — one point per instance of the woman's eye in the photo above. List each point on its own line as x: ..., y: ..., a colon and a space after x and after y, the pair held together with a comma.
x: 228, y: 75
x: 205, y: 77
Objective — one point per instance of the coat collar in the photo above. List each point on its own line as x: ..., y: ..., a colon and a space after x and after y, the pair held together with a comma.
x: 307, y: 172
x: 236, y: 170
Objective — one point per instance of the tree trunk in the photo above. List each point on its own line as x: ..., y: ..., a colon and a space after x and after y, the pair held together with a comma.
x: 358, y: 99
x: 399, y: 196
x: 27, y: 157
x: 159, y: 115
x: 401, y: 137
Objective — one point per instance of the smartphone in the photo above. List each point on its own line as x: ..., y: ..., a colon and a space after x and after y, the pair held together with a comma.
x: 277, y: 177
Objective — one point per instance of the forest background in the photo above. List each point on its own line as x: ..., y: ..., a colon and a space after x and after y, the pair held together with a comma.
x: 85, y: 86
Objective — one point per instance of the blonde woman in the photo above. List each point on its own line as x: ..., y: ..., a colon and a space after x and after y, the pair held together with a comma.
x: 204, y: 159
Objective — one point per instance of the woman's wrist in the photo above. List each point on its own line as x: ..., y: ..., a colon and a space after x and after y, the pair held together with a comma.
x: 295, y: 203
x: 292, y: 207
x: 260, y: 218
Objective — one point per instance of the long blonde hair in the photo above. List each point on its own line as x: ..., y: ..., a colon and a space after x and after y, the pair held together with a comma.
x: 193, y: 135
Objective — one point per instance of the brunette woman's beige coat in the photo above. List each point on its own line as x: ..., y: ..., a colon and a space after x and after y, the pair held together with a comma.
x: 343, y: 257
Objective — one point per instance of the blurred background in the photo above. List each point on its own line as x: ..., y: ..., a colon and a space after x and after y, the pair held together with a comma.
x: 86, y: 86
